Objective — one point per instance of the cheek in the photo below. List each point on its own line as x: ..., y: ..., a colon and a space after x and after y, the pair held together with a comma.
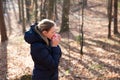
x: 50, y: 36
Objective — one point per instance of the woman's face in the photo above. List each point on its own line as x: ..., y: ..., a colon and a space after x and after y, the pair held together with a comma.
x: 50, y: 33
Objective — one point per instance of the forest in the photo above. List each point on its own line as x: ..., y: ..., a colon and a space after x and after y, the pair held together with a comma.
x: 90, y: 32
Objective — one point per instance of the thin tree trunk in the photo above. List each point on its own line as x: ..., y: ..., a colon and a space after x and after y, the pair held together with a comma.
x: 19, y: 6
x: 51, y: 9
x: 28, y: 4
x: 43, y: 9
x: 81, y: 42
x: 23, y: 17
x: 109, y: 17
x: 2, y: 24
x: 85, y: 2
x: 115, y: 17
x: 36, y: 11
x: 5, y: 7
x: 56, y: 15
x: 65, y: 16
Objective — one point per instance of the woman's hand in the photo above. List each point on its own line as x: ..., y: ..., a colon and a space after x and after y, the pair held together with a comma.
x: 56, y: 40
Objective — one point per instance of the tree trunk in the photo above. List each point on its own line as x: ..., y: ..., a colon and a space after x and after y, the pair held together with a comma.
x: 23, y: 16
x: 85, y: 2
x: 115, y: 17
x: 82, y: 33
x: 51, y: 9
x: 109, y: 17
x: 28, y: 4
x: 2, y: 24
x: 19, y: 6
x: 56, y: 15
x: 65, y: 16
x: 36, y: 11
x: 43, y: 10
x: 5, y: 7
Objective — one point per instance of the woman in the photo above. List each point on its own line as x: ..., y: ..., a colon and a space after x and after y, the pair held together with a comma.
x: 45, y: 50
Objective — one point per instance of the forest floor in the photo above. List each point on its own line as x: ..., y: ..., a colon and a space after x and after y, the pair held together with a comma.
x: 101, y: 56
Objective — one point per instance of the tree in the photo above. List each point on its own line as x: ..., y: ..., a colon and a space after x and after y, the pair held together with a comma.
x: 65, y: 16
x: 2, y: 24
x: 51, y: 9
x: 56, y: 15
x: 4, y: 8
x: 85, y: 2
x: 19, y: 5
x: 115, y: 17
x: 109, y: 17
x: 82, y: 33
x: 43, y: 9
x: 23, y: 16
x: 28, y: 5
x: 36, y: 11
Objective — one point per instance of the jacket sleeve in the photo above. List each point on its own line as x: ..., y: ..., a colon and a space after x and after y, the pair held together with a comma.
x: 42, y: 56
x: 56, y: 53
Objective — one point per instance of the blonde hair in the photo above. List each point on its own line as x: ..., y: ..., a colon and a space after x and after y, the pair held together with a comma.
x: 45, y: 25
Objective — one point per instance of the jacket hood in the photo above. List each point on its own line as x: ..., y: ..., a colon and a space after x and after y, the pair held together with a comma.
x: 31, y: 36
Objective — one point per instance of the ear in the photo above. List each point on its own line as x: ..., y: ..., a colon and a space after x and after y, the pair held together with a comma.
x: 44, y: 32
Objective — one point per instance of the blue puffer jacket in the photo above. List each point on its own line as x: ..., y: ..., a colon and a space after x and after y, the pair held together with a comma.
x: 46, y: 58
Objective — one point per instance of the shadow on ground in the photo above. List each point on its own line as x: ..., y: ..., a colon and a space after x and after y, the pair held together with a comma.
x: 25, y: 77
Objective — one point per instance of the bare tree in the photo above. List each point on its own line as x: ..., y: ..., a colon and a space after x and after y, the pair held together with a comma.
x: 109, y: 17
x: 65, y: 16
x: 36, y: 10
x: 85, y: 2
x: 20, y: 15
x: 51, y: 9
x: 115, y: 17
x: 56, y: 15
x: 23, y: 16
x: 43, y: 9
x: 2, y: 24
x: 28, y: 5
x: 82, y: 33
